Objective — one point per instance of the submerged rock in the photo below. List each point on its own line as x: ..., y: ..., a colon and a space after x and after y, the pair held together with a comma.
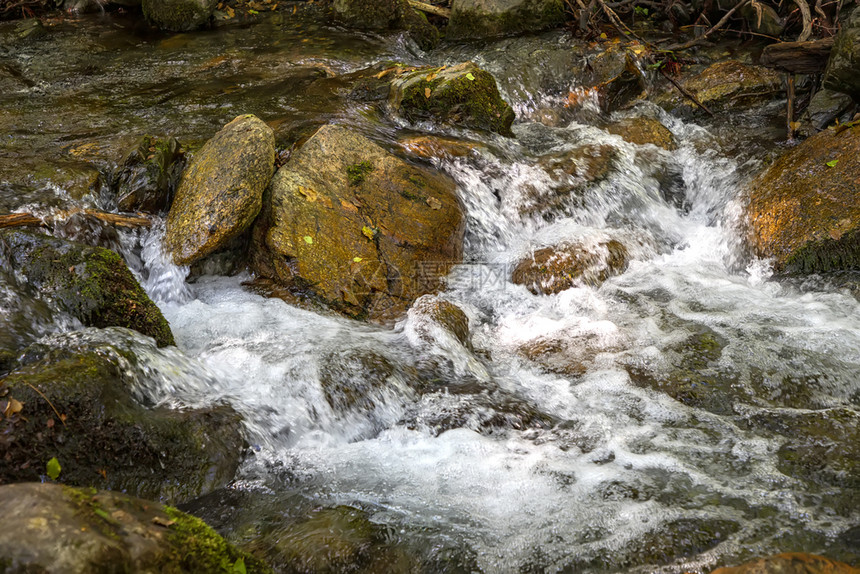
x: 91, y: 283
x: 148, y: 175
x: 461, y: 95
x: 430, y: 313
x: 471, y: 19
x: 221, y: 192
x: 804, y: 210
x: 553, y: 269
x: 178, y: 15
x: 357, y: 227
x: 643, y: 131
x: 80, y: 407
x: 790, y: 563
x: 54, y: 528
x: 728, y: 84
x: 841, y: 73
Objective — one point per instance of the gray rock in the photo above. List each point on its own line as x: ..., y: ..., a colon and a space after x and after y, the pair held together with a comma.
x: 221, y: 192
x: 178, y: 15
x: 826, y: 106
x: 386, y: 15
x: 841, y: 73
x: 487, y: 18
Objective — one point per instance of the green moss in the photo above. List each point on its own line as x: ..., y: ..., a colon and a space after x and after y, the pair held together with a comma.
x: 357, y: 172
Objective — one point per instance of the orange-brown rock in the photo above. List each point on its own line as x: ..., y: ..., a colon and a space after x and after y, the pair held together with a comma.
x: 358, y: 228
x: 726, y: 84
x: 643, y: 131
x: 434, y: 146
x: 554, y: 269
x: 804, y: 210
x: 791, y: 563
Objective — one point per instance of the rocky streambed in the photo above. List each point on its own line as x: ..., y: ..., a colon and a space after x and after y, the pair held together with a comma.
x: 368, y: 303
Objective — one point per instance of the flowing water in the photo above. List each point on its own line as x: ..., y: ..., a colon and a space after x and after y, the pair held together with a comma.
x: 650, y: 424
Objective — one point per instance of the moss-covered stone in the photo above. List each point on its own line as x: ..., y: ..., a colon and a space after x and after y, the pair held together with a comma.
x: 554, y: 269
x: 386, y: 15
x: 841, y: 73
x: 804, y: 210
x: 221, y: 192
x: 354, y: 237
x: 178, y: 15
x: 80, y: 408
x: 462, y: 95
x: 90, y: 283
x: 471, y: 19
x: 53, y: 528
x: 148, y: 175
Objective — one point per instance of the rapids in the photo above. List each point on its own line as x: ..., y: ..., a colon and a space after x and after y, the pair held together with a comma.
x: 497, y: 458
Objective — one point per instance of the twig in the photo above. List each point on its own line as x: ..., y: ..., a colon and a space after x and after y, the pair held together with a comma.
x: 807, y: 20
x: 430, y: 8
x: 59, y: 416
x: 713, y: 29
x: 686, y: 92
x: 622, y: 27
x: 789, y: 112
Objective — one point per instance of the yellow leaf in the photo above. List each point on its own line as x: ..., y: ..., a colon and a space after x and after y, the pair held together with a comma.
x: 603, y: 36
x: 356, y: 259
x: 367, y: 232
x: 13, y: 407
x: 427, y: 93
x: 434, y: 203
x: 309, y: 240
x: 53, y: 468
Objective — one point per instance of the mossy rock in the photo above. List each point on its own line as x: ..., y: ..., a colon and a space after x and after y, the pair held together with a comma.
x: 54, y: 528
x: 472, y: 19
x: 461, y: 95
x: 841, y: 73
x: 726, y: 85
x: 358, y: 228
x: 553, y: 269
x: 103, y: 437
x: 178, y: 15
x: 644, y: 131
x: 804, y: 210
x: 386, y: 15
x: 790, y: 563
x: 91, y: 283
x: 148, y: 175
x: 221, y: 192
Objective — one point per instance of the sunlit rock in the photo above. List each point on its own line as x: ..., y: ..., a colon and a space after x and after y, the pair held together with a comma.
x: 643, y: 131
x: 790, y: 563
x: 472, y: 19
x: 429, y: 314
x: 357, y: 227
x: 54, y: 528
x: 554, y: 269
x: 725, y: 85
x: 221, y: 192
x: 804, y: 210
x: 91, y: 283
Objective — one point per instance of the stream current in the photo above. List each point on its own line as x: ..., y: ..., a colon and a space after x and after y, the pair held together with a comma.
x: 554, y: 443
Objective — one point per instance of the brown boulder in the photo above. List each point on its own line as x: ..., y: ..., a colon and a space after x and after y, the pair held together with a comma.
x: 790, y: 563
x: 804, y: 210
x: 553, y: 269
x: 221, y: 192
x: 726, y: 84
x: 643, y: 131
x: 357, y: 227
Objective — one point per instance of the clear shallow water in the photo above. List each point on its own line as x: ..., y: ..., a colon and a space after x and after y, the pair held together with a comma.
x: 555, y: 444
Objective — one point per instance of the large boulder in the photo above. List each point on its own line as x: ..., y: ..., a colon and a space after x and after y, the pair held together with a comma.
x: 487, y: 18
x: 91, y: 283
x: 841, y: 73
x: 725, y: 85
x: 790, y: 563
x: 462, y: 95
x: 386, y: 15
x: 554, y: 269
x: 80, y: 407
x: 54, y: 528
x: 221, y: 192
x: 357, y: 227
x: 178, y: 15
x: 804, y: 210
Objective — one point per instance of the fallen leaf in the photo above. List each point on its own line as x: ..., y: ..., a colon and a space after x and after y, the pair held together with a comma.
x: 434, y: 203
x: 427, y: 93
x: 832, y: 163
x: 239, y: 566
x: 12, y: 407
x: 356, y: 259
x: 470, y: 77
x: 159, y: 521
x: 309, y: 240
x: 53, y: 468
x: 348, y: 206
x: 367, y: 232
x: 50, y: 423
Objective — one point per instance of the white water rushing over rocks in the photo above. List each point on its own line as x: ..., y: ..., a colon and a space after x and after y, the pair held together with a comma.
x: 596, y: 471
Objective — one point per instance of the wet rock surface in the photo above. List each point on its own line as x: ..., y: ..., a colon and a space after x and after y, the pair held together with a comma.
x: 804, y: 210
x: 790, y: 563
x: 148, y: 175
x: 643, y: 131
x: 178, y: 15
x: 91, y: 283
x: 54, y: 528
x: 81, y: 407
x: 359, y: 228
x: 222, y: 190
x: 472, y: 19
x: 554, y: 269
x: 841, y: 72
x: 726, y: 85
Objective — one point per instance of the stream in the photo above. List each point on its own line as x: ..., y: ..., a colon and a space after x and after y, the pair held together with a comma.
x: 556, y: 441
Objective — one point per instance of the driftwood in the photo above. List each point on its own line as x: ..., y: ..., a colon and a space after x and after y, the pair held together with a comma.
x: 115, y: 219
x: 430, y: 8
x: 798, y: 57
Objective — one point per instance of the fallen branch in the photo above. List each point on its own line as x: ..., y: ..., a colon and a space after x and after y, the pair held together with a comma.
x: 30, y: 220
x: 798, y: 57
x: 713, y: 29
x: 430, y: 8
x: 807, y: 20
x: 686, y: 92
